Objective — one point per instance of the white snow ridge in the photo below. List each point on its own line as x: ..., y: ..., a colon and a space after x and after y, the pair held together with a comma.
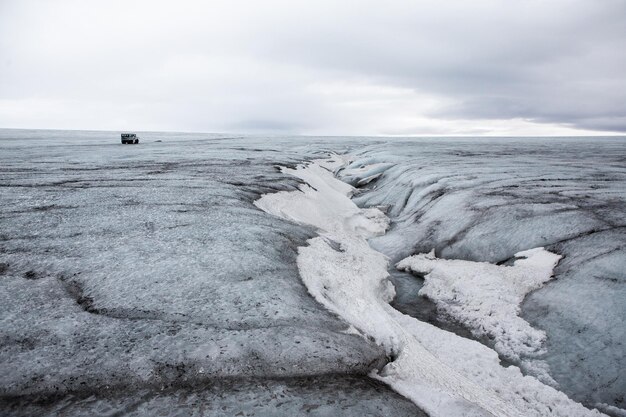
x: 486, y: 297
x: 444, y: 374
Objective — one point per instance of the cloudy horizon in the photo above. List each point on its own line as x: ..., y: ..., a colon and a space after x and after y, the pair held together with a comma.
x: 316, y: 68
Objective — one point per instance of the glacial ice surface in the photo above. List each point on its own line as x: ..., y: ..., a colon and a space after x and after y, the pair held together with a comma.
x: 146, y: 268
x: 130, y: 271
x: 487, y: 199
x: 486, y: 299
x: 441, y: 372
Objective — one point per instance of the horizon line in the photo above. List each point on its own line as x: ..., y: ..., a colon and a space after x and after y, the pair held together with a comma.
x: 450, y: 135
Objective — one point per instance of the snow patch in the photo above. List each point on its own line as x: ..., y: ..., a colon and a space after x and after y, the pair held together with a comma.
x: 442, y: 373
x: 324, y: 202
x: 486, y: 297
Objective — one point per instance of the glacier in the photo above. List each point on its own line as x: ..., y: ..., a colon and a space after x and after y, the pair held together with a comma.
x: 442, y: 373
x: 484, y: 200
x: 146, y: 278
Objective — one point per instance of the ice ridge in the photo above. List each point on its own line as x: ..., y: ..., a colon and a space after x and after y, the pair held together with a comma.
x: 441, y: 372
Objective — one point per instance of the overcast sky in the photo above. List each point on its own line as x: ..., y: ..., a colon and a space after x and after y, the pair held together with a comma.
x: 392, y: 67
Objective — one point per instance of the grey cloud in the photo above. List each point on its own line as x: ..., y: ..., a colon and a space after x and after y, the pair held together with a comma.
x: 266, y: 126
x: 220, y: 65
x: 562, y: 64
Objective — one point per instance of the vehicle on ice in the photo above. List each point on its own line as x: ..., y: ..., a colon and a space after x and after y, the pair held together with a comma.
x: 129, y: 138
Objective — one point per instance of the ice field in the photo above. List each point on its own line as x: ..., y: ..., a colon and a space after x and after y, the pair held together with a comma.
x: 199, y: 274
x: 486, y: 200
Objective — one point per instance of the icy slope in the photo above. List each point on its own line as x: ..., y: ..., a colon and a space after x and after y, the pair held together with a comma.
x: 125, y: 271
x: 441, y: 372
x: 485, y: 199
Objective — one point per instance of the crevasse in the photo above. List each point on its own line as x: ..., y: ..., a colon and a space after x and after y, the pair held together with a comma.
x: 441, y: 372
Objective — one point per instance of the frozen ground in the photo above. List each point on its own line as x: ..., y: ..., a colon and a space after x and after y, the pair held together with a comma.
x: 143, y: 277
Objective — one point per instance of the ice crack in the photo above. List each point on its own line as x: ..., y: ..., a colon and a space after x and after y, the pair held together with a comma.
x: 441, y: 372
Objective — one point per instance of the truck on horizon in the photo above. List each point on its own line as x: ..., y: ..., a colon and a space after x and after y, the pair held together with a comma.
x: 130, y: 138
